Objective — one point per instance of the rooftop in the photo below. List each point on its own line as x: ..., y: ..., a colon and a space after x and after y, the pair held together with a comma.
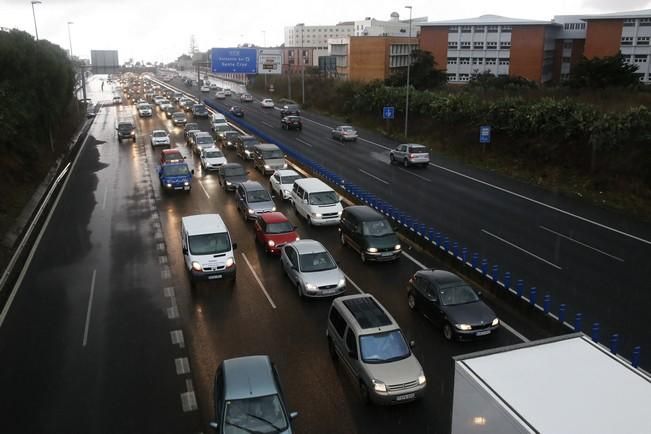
x: 643, y: 13
x: 488, y: 20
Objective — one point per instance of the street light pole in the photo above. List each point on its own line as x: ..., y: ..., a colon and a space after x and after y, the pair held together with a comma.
x: 302, y: 57
x: 35, y: 2
x: 70, y: 38
x: 408, y: 71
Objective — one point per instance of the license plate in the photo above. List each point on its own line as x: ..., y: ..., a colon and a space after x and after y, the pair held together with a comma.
x: 405, y: 397
x: 215, y: 276
x: 178, y: 188
x: 387, y: 253
x: 483, y: 333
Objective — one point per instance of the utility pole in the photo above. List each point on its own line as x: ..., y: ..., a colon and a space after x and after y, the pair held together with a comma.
x: 70, y: 38
x: 408, y: 71
x: 35, y: 2
x: 302, y: 57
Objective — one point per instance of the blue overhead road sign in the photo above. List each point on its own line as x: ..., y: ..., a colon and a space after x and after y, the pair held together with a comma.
x: 388, y: 112
x: 239, y: 60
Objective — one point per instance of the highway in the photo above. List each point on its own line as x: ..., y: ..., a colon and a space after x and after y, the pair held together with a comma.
x: 104, y: 335
x: 591, y: 259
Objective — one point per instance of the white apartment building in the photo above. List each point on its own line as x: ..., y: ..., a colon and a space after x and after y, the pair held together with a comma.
x: 570, y: 37
x: 394, y: 27
x: 301, y: 35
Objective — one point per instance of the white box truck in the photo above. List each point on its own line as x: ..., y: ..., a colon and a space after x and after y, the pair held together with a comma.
x: 563, y: 385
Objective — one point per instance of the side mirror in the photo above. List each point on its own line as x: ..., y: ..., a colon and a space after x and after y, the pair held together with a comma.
x: 214, y: 425
x: 305, y: 201
x: 479, y: 294
x: 293, y: 415
x: 412, y: 344
x: 234, y: 246
x: 192, y: 171
x: 185, y: 250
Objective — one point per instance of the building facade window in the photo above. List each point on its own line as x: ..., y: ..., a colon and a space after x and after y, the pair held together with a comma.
x: 452, y: 77
x: 504, y: 61
x: 491, y: 45
x: 565, y: 77
x: 464, y: 77
x: 506, y: 29
x: 642, y: 40
x: 567, y: 45
x: 491, y: 29
x: 477, y: 61
x: 452, y: 60
x: 505, y: 44
x: 452, y: 45
x: 453, y: 29
x: 466, y: 29
x: 627, y: 40
x: 644, y: 22
x: 480, y: 29
x: 640, y: 58
x: 567, y: 59
x: 464, y: 61
x: 478, y: 45
x: 465, y: 45
x: 629, y: 22
x: 490, y: 61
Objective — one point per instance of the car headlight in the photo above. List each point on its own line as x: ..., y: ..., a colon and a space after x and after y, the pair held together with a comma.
x: 464, y: 327
x: 229, y: 143
x: 229, y: 183
x: 266, y: 166
x: 284, y: 165
x: 341, y: 283
x: 196, y: 266
x: 133, y: 133
x: 230, y: 262
x: 310, y: 287
x: 273, y: 209
x: 251, y: 211
x: 495, y: 322
x: 339, y: 213
x: 298, y: 238
x: 372, y: 250
x: 186, y: 183
x: 379, y: 386
x: 422, y: 379
x: 168, y: 185
x: 397, y: 247
x: 317, y: 215
x: 271, y: 243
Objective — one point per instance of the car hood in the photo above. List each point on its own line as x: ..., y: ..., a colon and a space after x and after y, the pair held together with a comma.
x: 275, y: 162
x: 235, y: 178
x: 217, y: 160
x: 176, y: 179
x: 383, y: 242
x: 262, y: 206
x: 322, y: 278
x: 284, y: 238
x: 397, y: 372
x: 476, y: 313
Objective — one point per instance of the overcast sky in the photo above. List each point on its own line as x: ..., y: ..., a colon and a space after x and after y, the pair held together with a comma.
x: 160, y: 30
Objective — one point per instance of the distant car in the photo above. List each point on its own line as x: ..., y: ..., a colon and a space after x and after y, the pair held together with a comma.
x: 187, y: 105
x: 282, y: 181
x: 311, y: 269
x: 448, y: 301
x: 248, y: 398
x: 291, y: 123
x: 200, y: 111
x: 163, y: 103
x: 220, y: 95
x: 176, y: 96
x: 168, y: 156
x: 178, y: 118
x: 169, y: 111
x: 369, y: 233
x: 90, y: 112
x: 289, y: 110
x: 245, y: 97
x: 202, y: 140
x: 236, y: 111
x: 158, y: 99
x: 159, y: 138
x: 267, y: 103
x: 205, y: 89
x: 228, y: 91
x: 344, y: 133
x: 244, y: 147
x: 189, y: 126
x: 252, y: 200
x: 273, y: 231
x: 212, y: 158
x: 117, y: 100
x: 144, y: 110
x: 189, y: 140
x: 213, y: 86
x: 230, y: 175
x: 229, y: 138
x: 410, y: 154
x: 175, y: 176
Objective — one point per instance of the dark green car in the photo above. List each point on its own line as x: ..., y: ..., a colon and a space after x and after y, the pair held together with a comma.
x: 370, y: 233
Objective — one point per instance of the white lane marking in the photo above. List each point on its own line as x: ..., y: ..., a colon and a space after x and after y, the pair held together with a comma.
x: 169, y: 291
x: 273, y: 305
x: 173, y: 312
x: 204, y: 189
x: 415, y: 174
x: 90, y: 307
x: 21, y: 276
x: 521, y: 249
x: 177, y: 338
x: 304, y: 142
x: 189, y: 400
x: 267, y: 124
x: 162, y: 259
x: 182, y: 366
x: 580, y: 243
x: 105, y: 195
x: 354, y: 284
x: 373, y: 176
x: 386, y: 148
x: 318, y: 123
x: 414, y: 260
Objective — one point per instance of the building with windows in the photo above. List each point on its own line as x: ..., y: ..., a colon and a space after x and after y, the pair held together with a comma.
x: 570, y: 44
x: 394, y: 27
x: 301, y: 35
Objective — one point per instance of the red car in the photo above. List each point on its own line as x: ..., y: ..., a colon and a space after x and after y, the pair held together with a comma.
x: 171, y: 156
x: 273, y: 230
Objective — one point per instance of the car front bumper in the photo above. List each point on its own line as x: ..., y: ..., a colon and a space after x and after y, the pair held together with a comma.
x: 468, y: 335
x: 397, y: 397
x: 383, y: 256
x: 226, y: 273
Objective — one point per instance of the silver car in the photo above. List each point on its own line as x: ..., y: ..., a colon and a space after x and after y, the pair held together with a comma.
x: 203, y: 140
x: 252, y: 199
x: 344, y: 132
x: 410, y: 154
x: 311, y: 268
x: 248, y: 398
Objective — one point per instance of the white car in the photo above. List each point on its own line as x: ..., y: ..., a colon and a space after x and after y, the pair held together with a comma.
x: 212, y: 158
x: 220, y: 95
x: 267, y: 103
x: 159, y: 138
x: 228, y: 91
x: 213, y: 86
x: 245, y: 97
x: 144, y: 110
x: 205, y: 88
x: 282, y: 181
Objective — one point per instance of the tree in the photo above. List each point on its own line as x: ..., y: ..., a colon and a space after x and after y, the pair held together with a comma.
x: 487, y: 80
x: 602, y: 72
x: 423, y: 74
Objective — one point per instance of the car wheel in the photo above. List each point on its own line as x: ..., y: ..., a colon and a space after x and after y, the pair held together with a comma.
x: 342, y: 239
x: 411, y: 300
x: 405, y: 162
x: 363, y: 391
x: 331, y: 349
x: 300, y: 290
x: 447, y: 331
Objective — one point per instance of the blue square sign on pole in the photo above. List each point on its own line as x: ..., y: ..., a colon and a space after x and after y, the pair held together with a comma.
x: 388, y: 112
x: 485, y: 134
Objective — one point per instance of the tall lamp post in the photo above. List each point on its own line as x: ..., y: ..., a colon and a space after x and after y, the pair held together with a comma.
x: 302, y: 57
x: 70, y: 38
x: 408, y: 71
x: 35, y: 2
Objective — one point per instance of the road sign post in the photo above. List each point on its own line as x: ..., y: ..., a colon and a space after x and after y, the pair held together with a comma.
x: 388, y: 113
x: 484, y: 136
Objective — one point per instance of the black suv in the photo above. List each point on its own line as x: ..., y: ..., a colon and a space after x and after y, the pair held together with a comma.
x: 290, y: 109
x: 291, y: 123
x: 370, y: 233
x: 126, y: 130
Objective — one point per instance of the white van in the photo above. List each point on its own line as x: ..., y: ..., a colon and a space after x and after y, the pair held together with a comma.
x: 316, y: 202
x: 217, y: 120
x: 207, y: 248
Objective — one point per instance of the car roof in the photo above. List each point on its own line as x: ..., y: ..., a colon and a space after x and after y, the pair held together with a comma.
x: 266, y: 147
x: 286, y: 172
x: 202, y: 134
x: 415, y: 145
x: 441, y: 277
x: 171, y: 151
x: 248, y: 377
x: 252, y: 185
x: 308, y: 246
x: 312, y: 184
x: 203, y: 224
x: 159, y: 131
x: 232, y: 165
x: 344, y: 126
x: 274, y: 217
x: 364, y: 213
x: 247, y: 137
x: 368, y: 314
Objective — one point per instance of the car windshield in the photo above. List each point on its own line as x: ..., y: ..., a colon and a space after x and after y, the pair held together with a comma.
x: 258, y: 196
x: 454, y: 295
x: 289, y: 179
x: 191, y: 126
x: 383, y: 347
x: 160, y: 134
x: 170, y: 156
x: 230, y: 135
x: 178, y: 115
x: 377, y: 228
x: 234, y: 171
x: 279, y: 228
x: 176, y: 170
x: 213, y: 154
x: 262, y: 414
x: 209, y: 244
x: 323, y: 198
x: 125, y: 127
x: 320, y: 261
x: 199, y: 108
x: 144, y: 107
x: 203, y: 140
x: 249, y: 143
x: 347, y: 129
x: 271, y: 155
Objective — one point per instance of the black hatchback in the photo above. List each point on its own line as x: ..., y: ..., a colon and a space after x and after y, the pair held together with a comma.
x: 291, y: 123
x: 370, y: 233
x: 448, y: 301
